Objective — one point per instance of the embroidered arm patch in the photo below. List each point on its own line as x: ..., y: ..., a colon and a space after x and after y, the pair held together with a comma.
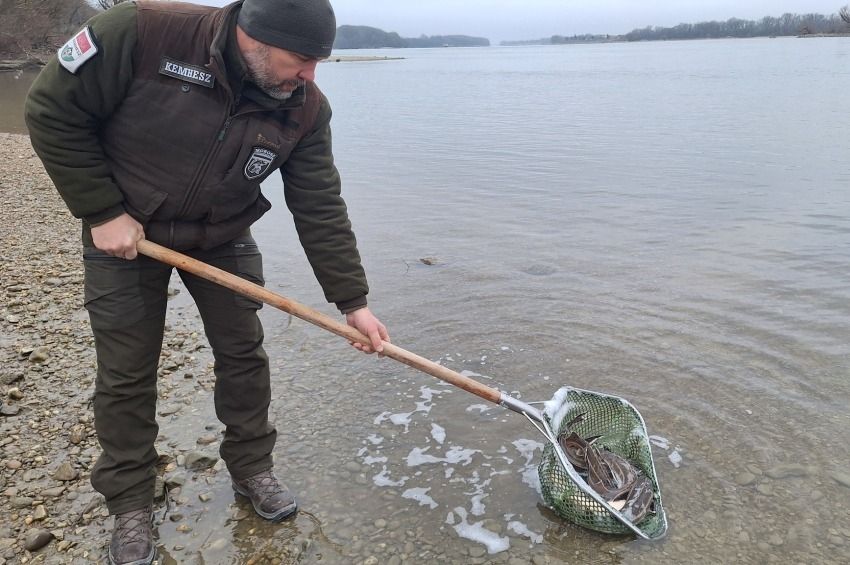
x: 77, y: 50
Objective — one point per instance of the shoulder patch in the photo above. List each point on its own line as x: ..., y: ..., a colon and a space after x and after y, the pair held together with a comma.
x: 77, y: 50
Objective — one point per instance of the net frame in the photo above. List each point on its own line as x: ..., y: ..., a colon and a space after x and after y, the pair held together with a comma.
x: 621, y: 429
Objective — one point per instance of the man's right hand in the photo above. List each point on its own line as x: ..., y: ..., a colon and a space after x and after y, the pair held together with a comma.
x: 118, y: 236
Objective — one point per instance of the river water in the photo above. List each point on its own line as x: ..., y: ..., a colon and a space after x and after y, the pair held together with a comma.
x: 666, y: 222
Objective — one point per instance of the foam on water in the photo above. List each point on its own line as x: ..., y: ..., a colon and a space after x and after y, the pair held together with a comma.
x: 557, y: 408
x: 477, y: 532
x: 454, y: 455
x: 527, y: 449
x: 522, y: 529
x: 675, y: 458
x: 438, y: 433
x: 382, y: 479
x: 420, y: 495
x: 659, y: 441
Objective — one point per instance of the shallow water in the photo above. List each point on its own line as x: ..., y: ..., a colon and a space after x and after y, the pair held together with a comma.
x: 666, y: 222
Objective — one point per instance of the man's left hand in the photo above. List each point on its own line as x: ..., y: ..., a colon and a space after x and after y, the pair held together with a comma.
x: 366, y: 323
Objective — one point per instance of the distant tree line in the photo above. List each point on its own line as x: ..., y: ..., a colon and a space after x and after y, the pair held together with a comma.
x: 786, y: 24
x: 365, y: 37
x: 584, y: 38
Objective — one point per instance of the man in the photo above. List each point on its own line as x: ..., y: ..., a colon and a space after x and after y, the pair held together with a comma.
x: 159, y: 120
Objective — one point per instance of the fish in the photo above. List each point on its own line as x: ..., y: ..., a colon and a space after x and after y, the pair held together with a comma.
x: 622, y: 485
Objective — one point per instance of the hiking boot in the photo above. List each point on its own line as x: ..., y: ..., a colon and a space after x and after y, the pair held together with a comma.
x: 132, y: 538
x: 271, y: 499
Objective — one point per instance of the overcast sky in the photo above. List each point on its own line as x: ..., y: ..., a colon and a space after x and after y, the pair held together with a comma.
x: 500, y: 20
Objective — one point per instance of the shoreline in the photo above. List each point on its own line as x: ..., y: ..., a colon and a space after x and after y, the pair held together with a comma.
x: 47, y: 438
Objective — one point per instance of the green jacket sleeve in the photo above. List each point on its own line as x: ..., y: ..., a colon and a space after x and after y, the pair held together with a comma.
x: 312, y: 190
x: 64, y: 112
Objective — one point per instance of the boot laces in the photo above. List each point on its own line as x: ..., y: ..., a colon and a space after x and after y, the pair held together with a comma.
x: 133, y: 526
x: 264, y: 484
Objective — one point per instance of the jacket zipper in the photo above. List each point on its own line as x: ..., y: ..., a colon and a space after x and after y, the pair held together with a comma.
x: 195, y: 185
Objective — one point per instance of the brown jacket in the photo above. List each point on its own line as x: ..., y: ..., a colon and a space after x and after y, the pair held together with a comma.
x: 181, y: 143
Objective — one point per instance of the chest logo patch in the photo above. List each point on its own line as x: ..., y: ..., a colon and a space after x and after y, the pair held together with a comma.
x: 186, y: 72
x: 259, y: 162
x: 77, y: 50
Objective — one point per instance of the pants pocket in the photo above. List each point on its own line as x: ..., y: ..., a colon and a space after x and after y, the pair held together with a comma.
x: 114, y: 292
x: 249, y: 266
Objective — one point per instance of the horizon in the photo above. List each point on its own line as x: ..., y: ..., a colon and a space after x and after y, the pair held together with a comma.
x: 528, y: 20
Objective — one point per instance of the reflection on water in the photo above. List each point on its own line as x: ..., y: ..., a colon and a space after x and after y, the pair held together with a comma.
x: 666, y: 222
x: 14, y: 86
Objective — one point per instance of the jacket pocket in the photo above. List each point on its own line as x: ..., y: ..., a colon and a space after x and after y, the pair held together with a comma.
x: 142, y: 204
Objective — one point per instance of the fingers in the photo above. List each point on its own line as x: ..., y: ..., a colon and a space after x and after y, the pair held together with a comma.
x: 118, y: 236
x: 367, y: 324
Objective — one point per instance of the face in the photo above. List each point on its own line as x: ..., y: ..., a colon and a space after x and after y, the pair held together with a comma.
x: 278, y: 72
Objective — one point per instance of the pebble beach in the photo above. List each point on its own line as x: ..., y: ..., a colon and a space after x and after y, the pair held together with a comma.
x: 51, y: 514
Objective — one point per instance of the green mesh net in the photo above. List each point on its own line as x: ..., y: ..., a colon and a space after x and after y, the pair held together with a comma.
x: 622, y: 431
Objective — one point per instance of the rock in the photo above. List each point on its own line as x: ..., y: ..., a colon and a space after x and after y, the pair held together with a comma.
x: 745, y: 479
x: 175, y: 480
x: 9, y: 378
x: 219, y: 544
x: 477, y: 551
x: 765, y: 489
x: 787, y: 470
x: 197, y: 461
x: 14, y: 393
x: 842, y: 479
x: 21, y: 502
x: 380, y: 523
x: 429, y: 260
x: 169, y: 410
x: 207, y: 439
x: 8, y: 410
x: 39, y: 354
x: 66, y: 472
x: 76, y: 436
x: 52, y: 492
x: 36, y: 539
x: 40, y: 513
x: 205, y: 497
x: 13, y: 319
x: 159, y: 488
x: 352, y: 466
x: 239, y: 514
x: 835, y: 540
x: 13, y: 464
x: 184, y: 528
x: 64, y: 545
x: 775, y: 539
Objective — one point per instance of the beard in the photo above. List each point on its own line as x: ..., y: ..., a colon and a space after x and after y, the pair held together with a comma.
x: 260, y: 72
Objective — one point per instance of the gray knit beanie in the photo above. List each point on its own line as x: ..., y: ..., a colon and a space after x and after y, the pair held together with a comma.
x: 307, y: 27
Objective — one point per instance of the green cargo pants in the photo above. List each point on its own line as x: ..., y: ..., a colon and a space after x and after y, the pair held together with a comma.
x: 126, y: 301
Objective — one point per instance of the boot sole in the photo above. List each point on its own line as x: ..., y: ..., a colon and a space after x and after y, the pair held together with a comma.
x: 281, y: 514
x: 144, y: 561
